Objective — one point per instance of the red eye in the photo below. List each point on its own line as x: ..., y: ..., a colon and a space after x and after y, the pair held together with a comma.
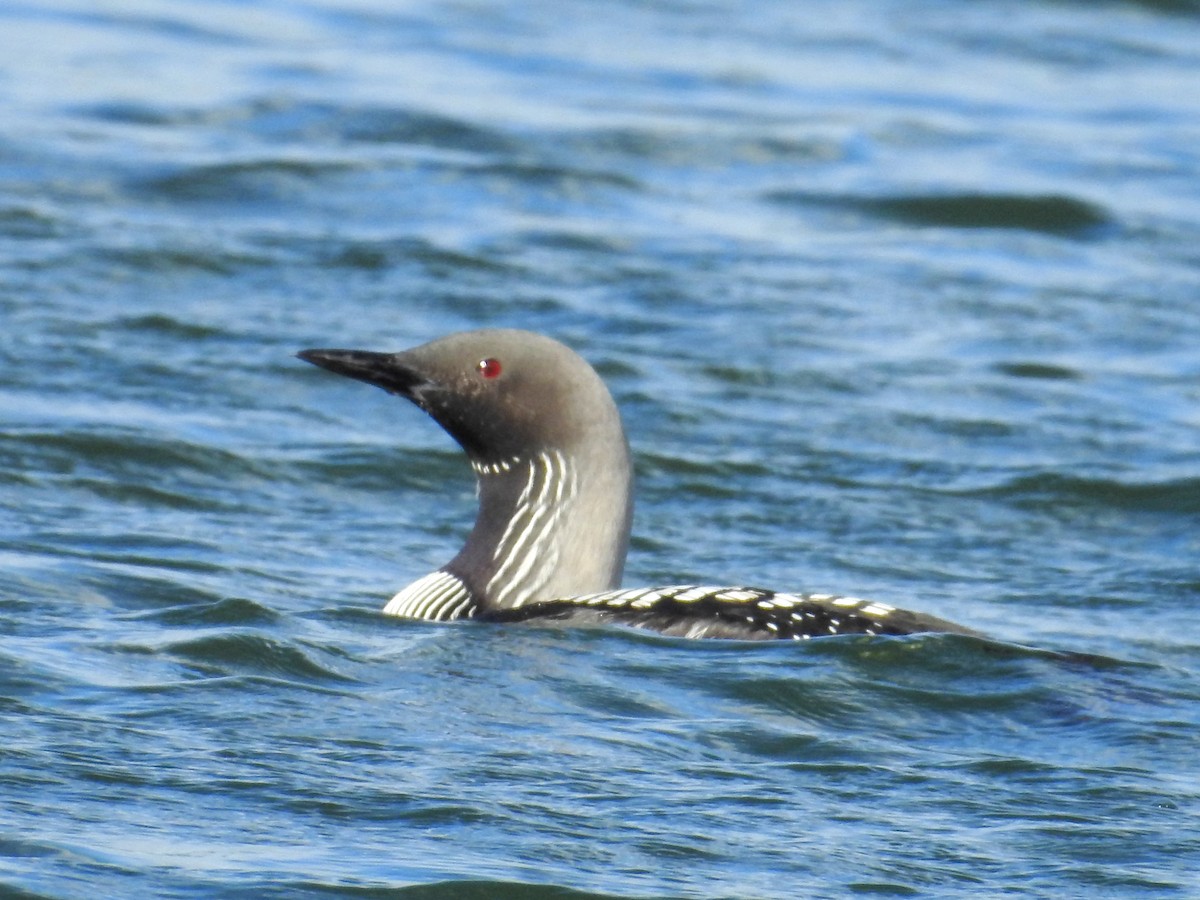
x: 489, y: 368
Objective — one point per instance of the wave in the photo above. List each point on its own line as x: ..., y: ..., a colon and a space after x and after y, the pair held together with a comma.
x: 1045, y: 213
x: 250, y: 653
x: 1180, y: 495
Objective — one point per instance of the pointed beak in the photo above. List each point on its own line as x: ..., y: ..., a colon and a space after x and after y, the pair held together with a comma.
x: 385, y: 370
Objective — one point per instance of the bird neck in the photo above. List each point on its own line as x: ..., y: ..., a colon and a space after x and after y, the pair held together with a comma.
x: 551, y: 524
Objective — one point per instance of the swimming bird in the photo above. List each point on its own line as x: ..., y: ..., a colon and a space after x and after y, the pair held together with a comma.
x: 545, y: 439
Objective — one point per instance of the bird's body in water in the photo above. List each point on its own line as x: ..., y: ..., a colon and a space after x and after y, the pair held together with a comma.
x: 545, y: 439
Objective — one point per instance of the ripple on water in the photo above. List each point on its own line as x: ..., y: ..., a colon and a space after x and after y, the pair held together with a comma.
x: 387, y: 254
x: 30, y: 223
x: 289, y: 120
x: 229, y: 611
x: 251, y: 653
x: 1038, y: 370
x: 129, y: 463
x: 243, y: 183
x: 1178, y: 496
x: 171, y: 327
x: 1048, y: 214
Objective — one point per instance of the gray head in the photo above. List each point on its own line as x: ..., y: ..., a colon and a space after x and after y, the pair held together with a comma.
x: 540, y: 427
x: 499, y: 392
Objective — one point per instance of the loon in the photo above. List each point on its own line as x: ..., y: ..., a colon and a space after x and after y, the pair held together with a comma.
x: 546, y: 442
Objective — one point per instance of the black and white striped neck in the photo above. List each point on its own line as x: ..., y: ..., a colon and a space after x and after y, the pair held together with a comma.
x: 547, y: 528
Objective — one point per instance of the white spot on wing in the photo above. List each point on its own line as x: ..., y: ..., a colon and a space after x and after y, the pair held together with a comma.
x: 692, y: 593
x: 839, y: 601
x: 739, y: 595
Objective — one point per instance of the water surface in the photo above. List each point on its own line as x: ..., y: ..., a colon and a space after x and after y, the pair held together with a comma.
x: 897, y: 299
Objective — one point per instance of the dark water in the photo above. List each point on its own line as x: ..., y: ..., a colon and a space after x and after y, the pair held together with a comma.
x: 899, y: 299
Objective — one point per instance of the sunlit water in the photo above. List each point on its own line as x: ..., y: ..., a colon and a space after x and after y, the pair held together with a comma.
x: 897, y: 299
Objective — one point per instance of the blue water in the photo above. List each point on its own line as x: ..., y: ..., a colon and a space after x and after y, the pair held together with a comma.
x: 898, y: 299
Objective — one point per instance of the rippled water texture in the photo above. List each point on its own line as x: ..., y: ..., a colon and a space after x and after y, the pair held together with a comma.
x: 898, y: 299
